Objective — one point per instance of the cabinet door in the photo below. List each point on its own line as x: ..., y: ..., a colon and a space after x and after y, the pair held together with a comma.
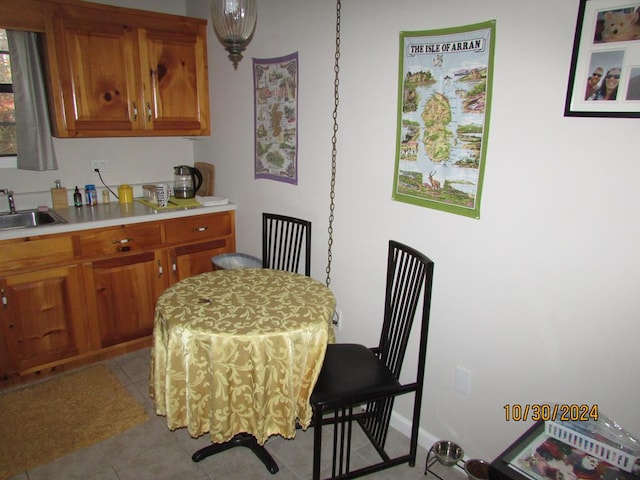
x: 175, y: 74
x: 190, y: 260
x: 100, y: 74
x: 43, y: 317
x: 123, y: 294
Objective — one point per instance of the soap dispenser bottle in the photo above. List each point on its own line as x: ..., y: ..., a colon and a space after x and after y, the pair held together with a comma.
x: 77, y: 198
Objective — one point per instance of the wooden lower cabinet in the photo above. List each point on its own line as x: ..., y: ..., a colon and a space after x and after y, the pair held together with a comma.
x: 76, y: 298
x: 190, y: 260
x: 43, y: 318
x: 122, y: 294
x: 196, y: 240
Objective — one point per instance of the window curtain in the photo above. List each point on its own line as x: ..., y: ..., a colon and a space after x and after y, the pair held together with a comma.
x: 33, y: 129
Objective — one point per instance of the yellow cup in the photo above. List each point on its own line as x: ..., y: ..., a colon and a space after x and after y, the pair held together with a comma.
x: 125, y: 194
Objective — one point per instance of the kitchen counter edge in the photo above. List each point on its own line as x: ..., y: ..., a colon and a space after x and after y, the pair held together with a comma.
x: 108, y: 215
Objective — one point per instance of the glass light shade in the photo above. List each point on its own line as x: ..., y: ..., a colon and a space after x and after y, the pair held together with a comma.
x: 234, y: 22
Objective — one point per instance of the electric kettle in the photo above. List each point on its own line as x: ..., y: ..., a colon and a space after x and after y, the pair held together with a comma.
x: 186, y: 182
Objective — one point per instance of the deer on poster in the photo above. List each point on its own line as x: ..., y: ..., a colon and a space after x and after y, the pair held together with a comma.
x: 435, y: 184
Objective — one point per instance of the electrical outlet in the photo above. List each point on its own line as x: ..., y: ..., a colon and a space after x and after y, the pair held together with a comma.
x: 100, y: 165
x: 462, y: 381
x: 337, y: 319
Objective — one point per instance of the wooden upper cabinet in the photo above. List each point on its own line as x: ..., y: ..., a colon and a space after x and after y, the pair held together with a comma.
x: 121, y: 74
x: 176, y: 80
x: 99, y: 77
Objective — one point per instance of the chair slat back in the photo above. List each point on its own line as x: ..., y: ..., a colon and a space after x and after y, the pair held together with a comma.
x: 409, y: 273
x: 284, y: 241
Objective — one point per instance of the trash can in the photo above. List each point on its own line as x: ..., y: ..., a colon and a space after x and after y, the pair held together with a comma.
x: 232, y: 261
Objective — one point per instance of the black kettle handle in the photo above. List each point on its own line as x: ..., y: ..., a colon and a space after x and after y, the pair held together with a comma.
x: 197, y: 175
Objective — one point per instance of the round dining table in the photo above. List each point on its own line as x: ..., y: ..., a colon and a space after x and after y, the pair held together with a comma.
x: 236, y: 354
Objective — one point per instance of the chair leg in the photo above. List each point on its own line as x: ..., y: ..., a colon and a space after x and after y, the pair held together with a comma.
x: 341, y: 463
x: 342, y: 422
x: 415, y: 427
x: 317, y: 442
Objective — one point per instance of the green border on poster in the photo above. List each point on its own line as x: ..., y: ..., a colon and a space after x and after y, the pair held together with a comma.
x: 444, y: 104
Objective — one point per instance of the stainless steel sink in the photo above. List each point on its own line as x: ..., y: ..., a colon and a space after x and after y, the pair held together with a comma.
x: 29, y: 218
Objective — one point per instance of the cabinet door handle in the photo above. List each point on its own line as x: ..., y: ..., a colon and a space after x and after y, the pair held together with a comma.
x: 135, y: 110
x: 122, y: 241
x: 160, y: 269
x: 174, y: 265
x: 199, y: 229
x: 4, y: 300
x: 149, y: 111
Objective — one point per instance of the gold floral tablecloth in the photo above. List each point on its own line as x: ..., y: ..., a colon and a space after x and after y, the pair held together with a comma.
x: 240, y: 351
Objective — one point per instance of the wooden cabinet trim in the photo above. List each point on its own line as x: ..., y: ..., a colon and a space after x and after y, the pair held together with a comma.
x: 31, y: 15
x: 197, y: 228
x: 111, y: 241
x: 198, y: 247
x: 33, y: 252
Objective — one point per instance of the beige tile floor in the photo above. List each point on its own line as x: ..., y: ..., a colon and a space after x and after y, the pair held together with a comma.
x: 152, y: 451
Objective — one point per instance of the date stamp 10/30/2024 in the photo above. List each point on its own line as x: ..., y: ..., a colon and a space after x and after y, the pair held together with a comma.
x: 565, y: 412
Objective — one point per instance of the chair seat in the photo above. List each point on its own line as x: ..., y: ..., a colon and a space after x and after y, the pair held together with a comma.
x: 351, y: 371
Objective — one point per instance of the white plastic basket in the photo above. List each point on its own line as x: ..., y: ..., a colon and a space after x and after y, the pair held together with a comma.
x: 612, y: 455
x: 232, y: 261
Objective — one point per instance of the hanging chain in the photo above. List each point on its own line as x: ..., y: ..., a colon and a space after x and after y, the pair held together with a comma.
x: 334, y: 141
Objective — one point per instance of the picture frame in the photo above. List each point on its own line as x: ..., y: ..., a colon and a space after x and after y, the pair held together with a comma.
x: 444, y: 105
x: 538, y: 456
x: 604, y: 79
x: 502, y: 467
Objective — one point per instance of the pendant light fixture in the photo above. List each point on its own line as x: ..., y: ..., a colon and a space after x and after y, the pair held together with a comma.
x: 234, y: 22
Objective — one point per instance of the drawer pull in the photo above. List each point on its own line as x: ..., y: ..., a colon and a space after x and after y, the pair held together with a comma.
x: 124, y: 240
x: 200, y: 229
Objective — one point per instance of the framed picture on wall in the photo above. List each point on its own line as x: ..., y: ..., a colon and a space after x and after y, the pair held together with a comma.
x: 604, y: 80
x: 275, y: 91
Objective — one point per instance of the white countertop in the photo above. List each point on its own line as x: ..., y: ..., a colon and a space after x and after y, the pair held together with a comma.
x: 108, y: 215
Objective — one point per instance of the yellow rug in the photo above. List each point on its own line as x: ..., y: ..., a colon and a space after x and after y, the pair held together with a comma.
x: 51, y: 419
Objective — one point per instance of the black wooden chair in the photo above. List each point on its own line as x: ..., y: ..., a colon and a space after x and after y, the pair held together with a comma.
x: 284, y: 240
x: 360, y: 384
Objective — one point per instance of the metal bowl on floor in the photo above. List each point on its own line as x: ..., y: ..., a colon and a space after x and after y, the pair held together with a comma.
x: 477, y: 469
x: 447, y: 452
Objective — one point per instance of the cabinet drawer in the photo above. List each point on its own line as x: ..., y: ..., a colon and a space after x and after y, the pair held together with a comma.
x: 190, y: 229
x: 27, y: 253
x: 128, y: 238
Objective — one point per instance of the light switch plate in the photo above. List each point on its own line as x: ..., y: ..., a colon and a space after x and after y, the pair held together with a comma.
x: 462, y: 381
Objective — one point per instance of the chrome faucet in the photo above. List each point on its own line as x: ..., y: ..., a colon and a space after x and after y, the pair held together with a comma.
x: 12, y: 203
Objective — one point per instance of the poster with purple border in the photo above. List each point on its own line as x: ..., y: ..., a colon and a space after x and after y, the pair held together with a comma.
x: 275, y: 87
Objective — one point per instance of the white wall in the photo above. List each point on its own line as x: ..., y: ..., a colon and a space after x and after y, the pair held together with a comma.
x: 538, y: 299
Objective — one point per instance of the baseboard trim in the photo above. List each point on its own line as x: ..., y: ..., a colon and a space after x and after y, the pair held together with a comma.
x: 425, y: 439
x: 403, y: 425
